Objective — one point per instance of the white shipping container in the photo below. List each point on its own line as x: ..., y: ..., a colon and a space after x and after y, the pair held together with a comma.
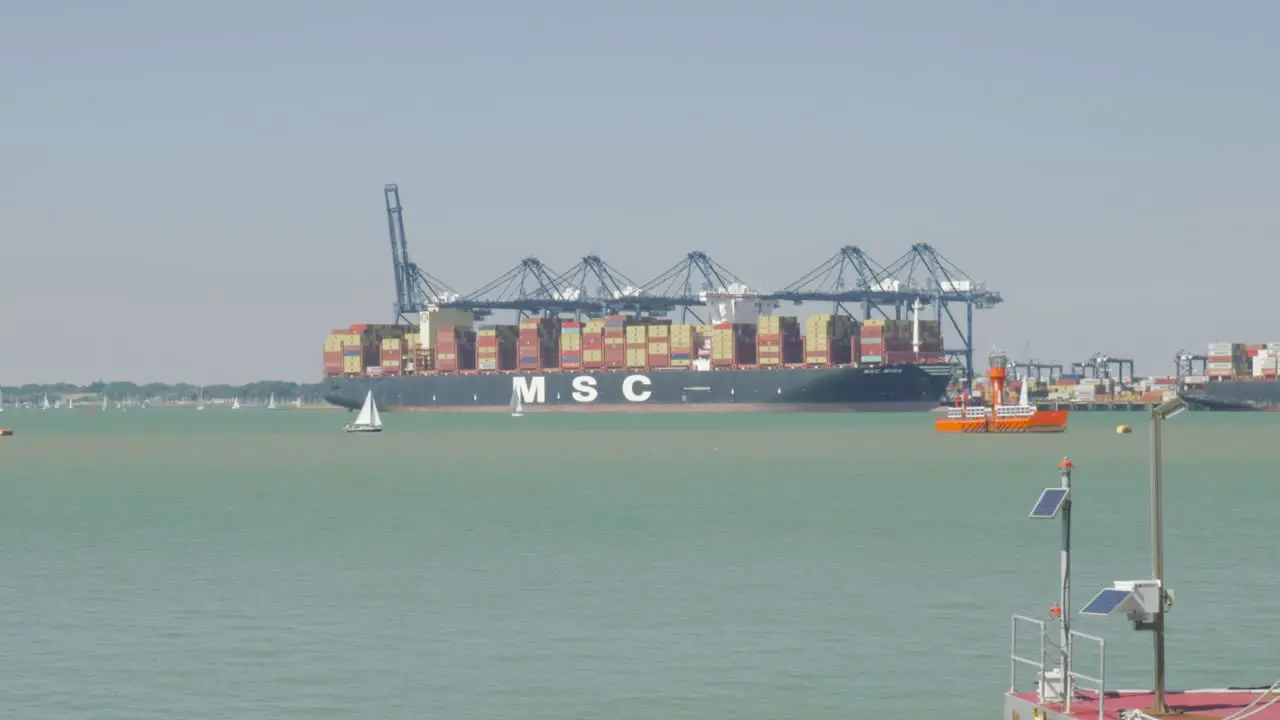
x: 1196, y: 379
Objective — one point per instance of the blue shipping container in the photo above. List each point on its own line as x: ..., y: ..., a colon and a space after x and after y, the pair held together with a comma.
x: 872, y: 358
x: 679, y: 356
x: 528, y: 359
x: 351, y: 353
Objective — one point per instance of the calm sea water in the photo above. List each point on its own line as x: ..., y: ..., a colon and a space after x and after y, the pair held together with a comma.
x: 170, y: 563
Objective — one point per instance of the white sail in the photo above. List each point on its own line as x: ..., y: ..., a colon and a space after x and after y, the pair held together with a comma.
x: 517, y: 407
x: 71, y: 404
x: 368, y: 416
x: 104, y: 403
x: 235, y: 404
x: 44, y: 404
x: 271, y: 403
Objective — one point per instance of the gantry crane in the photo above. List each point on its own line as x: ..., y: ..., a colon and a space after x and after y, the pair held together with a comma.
x: 415, y: 287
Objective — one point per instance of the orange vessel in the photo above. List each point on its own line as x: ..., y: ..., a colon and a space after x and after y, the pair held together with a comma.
x: 999, y: 417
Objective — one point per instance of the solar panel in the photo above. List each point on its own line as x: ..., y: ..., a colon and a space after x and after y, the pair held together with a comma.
x: 1106, y: 602
x: 1050, y: 503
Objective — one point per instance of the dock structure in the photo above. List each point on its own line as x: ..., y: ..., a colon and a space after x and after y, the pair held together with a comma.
x: 1062, y: 686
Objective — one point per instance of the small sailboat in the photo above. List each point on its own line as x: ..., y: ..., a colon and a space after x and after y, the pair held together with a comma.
x: 297, y: 402
x: 271, y: 402
x: 235, y: 403
x: 44, y: 404
x: 71, y: 404
x: 368, y: 420
x: 517, y: 407
x: 104, y: 403
x: 200, y: 402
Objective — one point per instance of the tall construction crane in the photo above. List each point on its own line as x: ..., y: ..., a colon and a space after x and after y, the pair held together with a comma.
x: 415, y: 287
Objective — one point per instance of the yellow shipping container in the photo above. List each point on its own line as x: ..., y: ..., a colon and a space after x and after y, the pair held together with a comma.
x: 333, y: 343
x: 637, y: 358
x: 352, y: 365
x: 659, y: 331
x: 590, y: 356
x: 659, y: 348
x: 762, y: 360
x: 615, y: 341
x: 816, y: 360
x: 411, y: 340
x: 675, y: 362
x: 637, y: 334
x: 571, y: 342
x: 875, y: 322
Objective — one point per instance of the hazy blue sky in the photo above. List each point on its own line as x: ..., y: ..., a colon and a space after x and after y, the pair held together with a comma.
x: 194, y: 190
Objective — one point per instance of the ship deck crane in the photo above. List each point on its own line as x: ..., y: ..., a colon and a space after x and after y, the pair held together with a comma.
x: 415, y: 287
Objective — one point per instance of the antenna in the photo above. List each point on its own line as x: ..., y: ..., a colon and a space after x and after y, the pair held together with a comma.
x: 1055, y: 502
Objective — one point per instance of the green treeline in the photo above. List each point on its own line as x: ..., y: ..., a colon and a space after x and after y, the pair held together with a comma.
x: 177, y: 392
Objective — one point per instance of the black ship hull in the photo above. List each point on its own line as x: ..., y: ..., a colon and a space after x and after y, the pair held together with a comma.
x: 891, y: 388
x: 1235, y: 395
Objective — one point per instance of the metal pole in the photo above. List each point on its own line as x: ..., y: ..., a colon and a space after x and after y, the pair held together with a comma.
x: 1157, y: 558
x: 1065, y: 599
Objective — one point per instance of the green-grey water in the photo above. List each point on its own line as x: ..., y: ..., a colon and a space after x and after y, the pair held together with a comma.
x: 173, y: 563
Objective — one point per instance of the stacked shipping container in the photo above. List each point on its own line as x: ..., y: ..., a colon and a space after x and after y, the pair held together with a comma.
x: 593, y: 344
x: 619, y: 342
x: 538, y: 346
x: 496, y: 347
x: 733, y: 344
x: 778, y: 341
x: 1226, y: 360
x: 615, y: 341
x: 891, y: 341
x: 570, y: 345
x: 829, y: 340
x: 683, y: 343
x: 455, y: 349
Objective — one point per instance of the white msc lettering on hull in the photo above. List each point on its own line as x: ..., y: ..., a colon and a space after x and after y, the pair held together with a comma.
x: 584, y: 389
x: 629, y: 388
x: 533, y: 390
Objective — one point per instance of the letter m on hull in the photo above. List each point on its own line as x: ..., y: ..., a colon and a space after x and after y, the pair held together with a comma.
x: 531, y: 390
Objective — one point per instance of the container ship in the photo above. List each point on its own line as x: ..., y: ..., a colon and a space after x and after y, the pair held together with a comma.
x: 623, y: 362
x: 1237, y: 376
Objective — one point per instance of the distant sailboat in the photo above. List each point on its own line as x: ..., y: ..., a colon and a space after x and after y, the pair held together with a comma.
x: 517, y: 407
x: 235, y: 404
x: 44, y: 404
x: 271, y: 403
x: 71, y: 404
x: 368, y: 420
x: 200, y: 402
x: 104, y: 403
x: 297, y: 402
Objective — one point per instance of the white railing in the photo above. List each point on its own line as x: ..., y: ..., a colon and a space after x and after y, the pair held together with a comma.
x: 1099, y: 682
x: 1075, y: 679
x: 1015, y: 659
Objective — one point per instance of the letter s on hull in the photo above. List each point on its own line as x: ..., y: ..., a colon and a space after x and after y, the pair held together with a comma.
x: 584, y: 389
x: 629, y: 388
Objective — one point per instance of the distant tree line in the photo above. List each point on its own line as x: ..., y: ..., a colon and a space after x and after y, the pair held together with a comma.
x: 177, y: 392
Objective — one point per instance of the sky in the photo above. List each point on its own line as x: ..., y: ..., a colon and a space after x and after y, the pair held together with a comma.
x: 192, y: 191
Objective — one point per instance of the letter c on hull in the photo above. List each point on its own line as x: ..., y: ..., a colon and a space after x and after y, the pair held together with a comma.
x: 629, y: 388
x: 584, y: 389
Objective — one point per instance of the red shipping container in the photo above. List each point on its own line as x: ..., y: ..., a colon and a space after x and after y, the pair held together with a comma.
x: 659, y: 359
x: 359, y: 329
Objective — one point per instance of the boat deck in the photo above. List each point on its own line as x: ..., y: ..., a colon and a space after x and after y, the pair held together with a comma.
x: 1116, y: 705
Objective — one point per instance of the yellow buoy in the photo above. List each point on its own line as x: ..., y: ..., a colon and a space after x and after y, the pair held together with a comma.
x: 1123, y: 429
